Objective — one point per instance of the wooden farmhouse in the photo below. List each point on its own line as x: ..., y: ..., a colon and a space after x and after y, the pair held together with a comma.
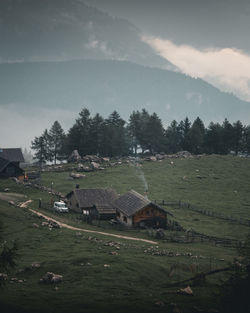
x: 133, y: 210
x: 10, y: 160
x: 94, y: 203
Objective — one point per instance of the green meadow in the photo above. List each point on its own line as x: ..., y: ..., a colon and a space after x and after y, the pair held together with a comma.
x: 106, y: 274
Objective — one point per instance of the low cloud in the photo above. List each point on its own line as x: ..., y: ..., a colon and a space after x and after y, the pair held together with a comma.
x: 19, y: 125
x: 227, y: 68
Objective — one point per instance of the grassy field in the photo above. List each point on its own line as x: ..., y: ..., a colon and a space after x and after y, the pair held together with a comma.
x: 216, y: 183
x: 103, y: 274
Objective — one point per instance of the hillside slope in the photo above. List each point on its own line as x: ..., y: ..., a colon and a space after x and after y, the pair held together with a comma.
x: 49, y: 30
x: 104, y: 86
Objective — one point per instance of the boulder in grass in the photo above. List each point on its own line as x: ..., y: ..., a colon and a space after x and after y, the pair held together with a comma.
x: 95, y: 165
x: 186, y: 291
x: 3, y: 277
x: 74, y: 157
x: 35, y: 265
x: 51, y: 278
x: 153, y: 158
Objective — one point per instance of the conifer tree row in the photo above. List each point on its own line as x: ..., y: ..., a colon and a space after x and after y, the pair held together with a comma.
x: 113, y: 136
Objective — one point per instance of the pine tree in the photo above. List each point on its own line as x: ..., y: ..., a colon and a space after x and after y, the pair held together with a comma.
x: 184, y: 127
x: 115, y: 136
x: 196, y: 136
x: 96, y: 134
x: 42, y: 146
x: 213, y: 139
x: 134, y: 129
x: 174, y: 138
x: 227, y: 137
x: 78, y: 135
x: 57, y: 138
x: 237, y: 136
x: 246, y: 139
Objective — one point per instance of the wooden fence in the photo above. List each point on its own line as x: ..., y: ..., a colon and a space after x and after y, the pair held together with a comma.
x: 186, y: 205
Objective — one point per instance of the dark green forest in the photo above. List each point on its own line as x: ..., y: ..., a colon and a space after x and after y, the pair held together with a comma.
x: 144, y: 132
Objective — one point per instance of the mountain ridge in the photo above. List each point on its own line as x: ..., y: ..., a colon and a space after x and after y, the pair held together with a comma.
x: 107, y: 85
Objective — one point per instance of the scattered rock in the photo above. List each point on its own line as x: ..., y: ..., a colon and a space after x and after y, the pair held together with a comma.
x: 35, y: 265
x: 74, y: 157
x: 159, y: 303
x: 14, y: 279
x: 3, y: 276
x: 153, y: 158
x: 113, y: 253
x: 186, y: 291
x: 6, y: 189
x: 77, y: 175
x: 35, y: 225
x: 106, y: 159
x: 95, y: 165
x: 106, y: 265
x: 11, y: 202
x: 51, y: 278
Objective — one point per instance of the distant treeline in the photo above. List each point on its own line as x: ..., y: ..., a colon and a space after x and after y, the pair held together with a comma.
x: 114, y: 136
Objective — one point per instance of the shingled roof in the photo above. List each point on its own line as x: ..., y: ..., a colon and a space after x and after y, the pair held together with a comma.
x: 132, y: 202
x: 88, y: 198
x: 12, y: 154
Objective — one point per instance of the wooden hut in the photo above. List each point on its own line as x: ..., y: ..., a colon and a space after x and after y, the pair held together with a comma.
x: 133, y: 209
x: 10, y: 160
x: 95, y: 203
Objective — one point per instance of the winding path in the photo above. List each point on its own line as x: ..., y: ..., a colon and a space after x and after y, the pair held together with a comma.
x: 91, y: 231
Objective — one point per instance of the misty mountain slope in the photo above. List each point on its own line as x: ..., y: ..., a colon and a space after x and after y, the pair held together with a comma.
x: 104, y: 86
x: 35, y: 30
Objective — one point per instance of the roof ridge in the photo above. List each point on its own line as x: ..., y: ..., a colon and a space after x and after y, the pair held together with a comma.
x: 139, y: 195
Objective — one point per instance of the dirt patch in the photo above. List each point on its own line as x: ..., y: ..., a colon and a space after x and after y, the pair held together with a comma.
x: 11, y: 196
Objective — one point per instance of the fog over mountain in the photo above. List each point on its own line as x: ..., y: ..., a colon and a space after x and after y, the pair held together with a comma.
x: 59, y: 30
x: 58, y: 56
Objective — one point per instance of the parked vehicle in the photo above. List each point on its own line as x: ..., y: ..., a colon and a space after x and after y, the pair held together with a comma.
x: 60, y: 207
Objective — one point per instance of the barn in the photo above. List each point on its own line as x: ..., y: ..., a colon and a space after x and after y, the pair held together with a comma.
x: 95, y: 203
x: 10, y: 160
x: 133, y: 209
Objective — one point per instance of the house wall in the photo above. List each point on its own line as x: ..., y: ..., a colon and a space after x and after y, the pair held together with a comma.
x: 12, y: 170
x: 128, y: 221
x: 73, y: 204
x: 149, y: 213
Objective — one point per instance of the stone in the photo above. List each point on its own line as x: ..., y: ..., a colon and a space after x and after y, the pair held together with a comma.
x: 95, y: 165
x: 3, y: 276
x: 51, y: 278
x: 159, y: 303
x: 35, y: 265
x: 186, y: 291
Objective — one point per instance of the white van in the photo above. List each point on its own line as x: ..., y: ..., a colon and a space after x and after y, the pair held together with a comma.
x: 60, y: 207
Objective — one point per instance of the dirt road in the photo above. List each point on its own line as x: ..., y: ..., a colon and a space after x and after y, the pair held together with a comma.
x: 91, y: 231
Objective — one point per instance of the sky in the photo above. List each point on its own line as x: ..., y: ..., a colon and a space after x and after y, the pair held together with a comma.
x: 205, y: 39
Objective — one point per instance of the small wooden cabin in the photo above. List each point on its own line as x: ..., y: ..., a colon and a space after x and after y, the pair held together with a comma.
x: 94, y: 203
x: 10, y: 160
x: 133, y: 210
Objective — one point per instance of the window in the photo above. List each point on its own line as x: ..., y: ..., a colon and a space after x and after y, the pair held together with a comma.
x: 125, y: 219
